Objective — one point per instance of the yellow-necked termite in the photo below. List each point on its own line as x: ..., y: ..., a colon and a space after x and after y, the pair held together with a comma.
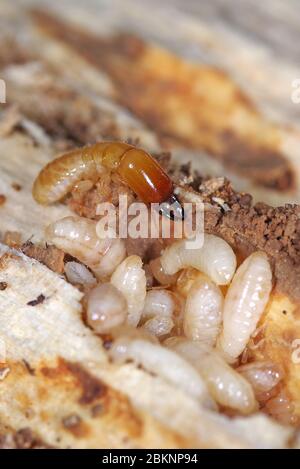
x: 136, y: 168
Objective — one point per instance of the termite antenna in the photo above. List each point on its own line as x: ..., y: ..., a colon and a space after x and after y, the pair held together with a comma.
x: 172, y: 208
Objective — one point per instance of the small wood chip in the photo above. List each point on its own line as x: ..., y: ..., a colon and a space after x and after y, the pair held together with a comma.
x: 71, y: 421
x: 40, y: 299
x: 224, y: 206
x: 211, y: 185
x: 2, y: 199
x: 4, y: 372
x: 17, y: 187
x: 28, y: 367
x: 50, y: 256
x: 12, y: 239
x: 3, y: 286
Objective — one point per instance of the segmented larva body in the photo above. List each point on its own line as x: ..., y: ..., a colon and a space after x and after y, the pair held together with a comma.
x: 136, y: 167
x: 78, y: 237
x: 60, y: 175
x: 226, y: 386
x: 264, y: 376
x: 157, y: 315
x: 130, y: 279
x: 106, y: 308
x: 159, y: 274
x: 165, y: 363
x: 244, y: 304
x: 215, y: 258
x: 203, y: 311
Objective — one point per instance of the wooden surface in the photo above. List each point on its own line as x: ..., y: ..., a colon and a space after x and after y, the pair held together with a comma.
x: 256, y: 42
x: 240, y: 42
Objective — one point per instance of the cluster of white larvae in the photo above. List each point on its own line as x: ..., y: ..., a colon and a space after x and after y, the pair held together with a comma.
x: 187, y: 331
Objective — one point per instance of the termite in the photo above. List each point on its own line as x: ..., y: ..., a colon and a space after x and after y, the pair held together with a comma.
x: 140, y: 171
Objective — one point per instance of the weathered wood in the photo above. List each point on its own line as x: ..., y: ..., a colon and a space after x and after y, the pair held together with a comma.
x: 256, y: 42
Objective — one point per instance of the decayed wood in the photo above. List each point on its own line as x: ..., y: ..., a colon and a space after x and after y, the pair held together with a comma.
x: 59, y: 383
x: 43, y: 340
x: 198, y: 39
x: 257, y: 43
x: 20, y: 159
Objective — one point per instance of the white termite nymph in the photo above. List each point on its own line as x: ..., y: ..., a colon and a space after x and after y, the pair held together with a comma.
x: 215, y: 258
x: 244, y: 304
x: 157, y: 315
x: 264, y: 376
x: 106, y: 308
x: 203, y: 311
x: 163, y: 362
x: 78, y: 237
x: 225, y: 385
x: 78, y: 273
x: 130, y: 278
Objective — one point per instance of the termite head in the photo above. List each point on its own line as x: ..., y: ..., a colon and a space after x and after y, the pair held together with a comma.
x: 150, y: 182
x: 172, y: 208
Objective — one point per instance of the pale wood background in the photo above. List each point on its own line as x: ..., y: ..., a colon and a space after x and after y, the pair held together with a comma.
x: 257, y: 42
